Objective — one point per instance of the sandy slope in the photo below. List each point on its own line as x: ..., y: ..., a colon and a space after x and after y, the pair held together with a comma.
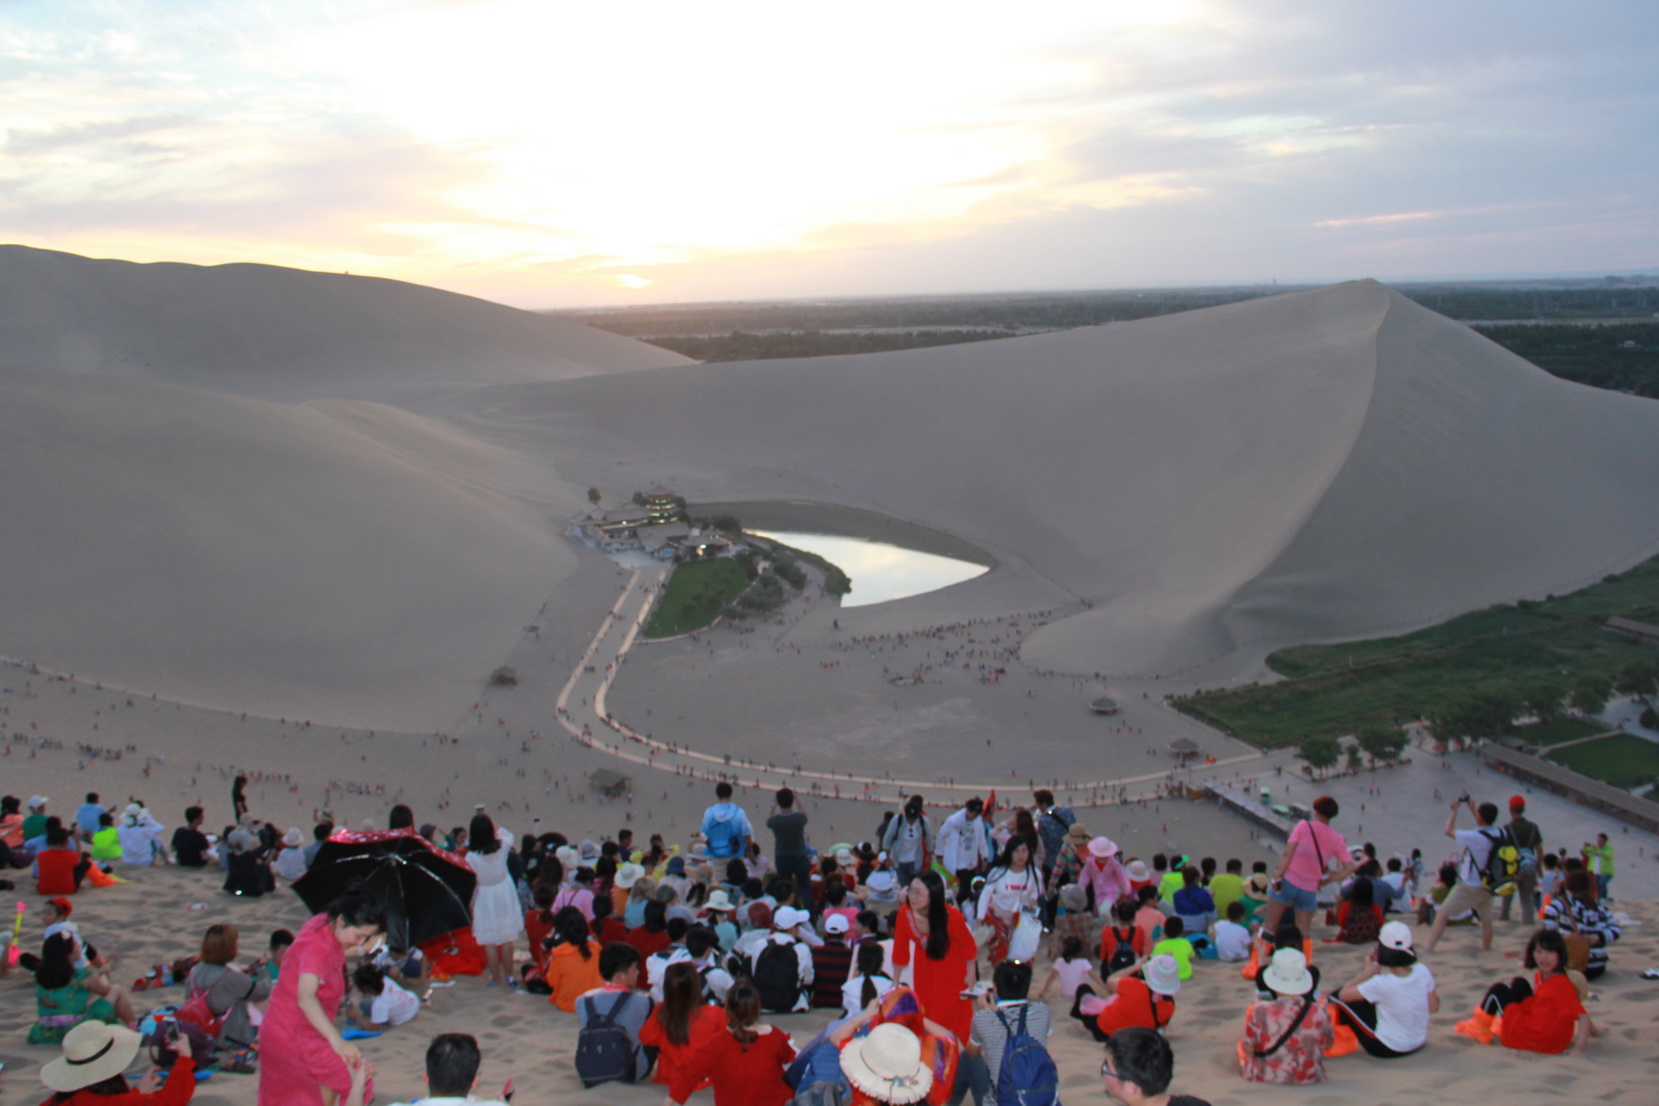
x: 341, y: 561
x: 1324, y: 464
x: 281, y: 333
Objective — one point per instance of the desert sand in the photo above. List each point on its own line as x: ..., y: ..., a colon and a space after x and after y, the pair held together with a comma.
x: 285, y: 524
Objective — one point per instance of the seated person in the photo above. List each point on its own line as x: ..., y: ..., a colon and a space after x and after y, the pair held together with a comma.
x: 1285, y: 1037
x: 870, y: 981
x: 1232, y: 939
x: 832, y: 961
x: 1138, y: 1068
x: 66, y: 996
x: 1071, y: 970
x: 1123, y: 942
x: 1358, y: 918
x: 619, y: 1000
x: 1389, y: 1003
x: 1000, y: 1016
x: 383, y: 1001
x: 191, y: 848
x: 1545, y: 1015
x: 1142, y: 994
x: 1176, y: 944
x: 1193, y: 903
x: 140, y: 836
x: 269, y: 966
x: 1074, y: 919
x: 452, y: 1061
x: 229, y: 989
x: 1149, y: 916
x: 55, y: 913
x: 409, y: 968
x: 290, y: 859
x: 106, y: 842
x: 61, y: 867
x: 782, y: 965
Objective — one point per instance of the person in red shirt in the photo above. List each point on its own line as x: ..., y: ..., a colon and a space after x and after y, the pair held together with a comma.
x: 60, y: 867
x: 683, y: 1024
x: 1142, y: 994
x: 652, y: 937
x: 745, y: 1062
x: 933, y: 938
x: 1543, y: 1016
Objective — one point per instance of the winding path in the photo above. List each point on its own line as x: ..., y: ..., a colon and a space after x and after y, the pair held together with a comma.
x: 590, y: 723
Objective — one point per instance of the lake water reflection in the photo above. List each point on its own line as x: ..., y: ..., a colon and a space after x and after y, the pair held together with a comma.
x: 879, y: 571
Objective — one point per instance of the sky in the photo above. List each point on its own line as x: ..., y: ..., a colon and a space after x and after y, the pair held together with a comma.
x: 547, y: 154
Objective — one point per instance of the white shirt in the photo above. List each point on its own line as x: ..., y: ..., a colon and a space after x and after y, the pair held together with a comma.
x: 138, y: 843
x: 853, y: 990
x: 656, y: 967
x: 1402, y: 1004
x: 962, y: 841
x: 1477, y: 846
x: 1232, y: 941
x: 1012, y: 891
x: 393, y: 1005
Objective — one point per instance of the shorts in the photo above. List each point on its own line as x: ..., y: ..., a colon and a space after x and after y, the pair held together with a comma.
x: 1466, y: 896
x: 1297, y: 898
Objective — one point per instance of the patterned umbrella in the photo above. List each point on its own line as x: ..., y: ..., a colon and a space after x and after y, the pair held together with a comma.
x: 426, y: 890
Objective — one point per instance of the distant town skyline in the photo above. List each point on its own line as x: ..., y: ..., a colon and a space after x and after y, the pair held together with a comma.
x: 551, y: 155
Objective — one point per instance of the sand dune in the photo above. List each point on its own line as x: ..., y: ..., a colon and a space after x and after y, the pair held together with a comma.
x: 1327, y: 464
x: 286, y: 334
x: 342, y: 561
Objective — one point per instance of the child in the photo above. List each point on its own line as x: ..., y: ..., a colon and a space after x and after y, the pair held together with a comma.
x: 1149, y: 918
x: 1071, y: 970
x: 869, y: 982
x: 270, y: 965
x: 384, y: 1002
x: 409, y: 967
x: 1176, y: 945
x: 1232, y: 939
x: 1123, y: 942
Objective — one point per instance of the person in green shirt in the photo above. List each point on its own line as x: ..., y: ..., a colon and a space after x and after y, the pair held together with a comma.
x: 1228, y: 887
x: 1173, y: 880
x: 1176, y: 944
x: 34, y: 823
x: 1599, y: 859
x: 106, y: 843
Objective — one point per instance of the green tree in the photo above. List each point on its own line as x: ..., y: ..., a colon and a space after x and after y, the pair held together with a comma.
x: 1355, y: 758
x: 1590, y: 693
x: 728, y: 523
x: 1381, y: 743
x: 1320, y: 752
x: 1543, y: 699
x: 1641, y: 679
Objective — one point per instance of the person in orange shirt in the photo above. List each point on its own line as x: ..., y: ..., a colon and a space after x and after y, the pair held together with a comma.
x: 572, y: 960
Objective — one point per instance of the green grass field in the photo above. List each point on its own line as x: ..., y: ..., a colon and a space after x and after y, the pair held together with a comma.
x: 1558, y: 731
x: 1507, y: 649
x: 1623, y: 760
x: 695, y: 596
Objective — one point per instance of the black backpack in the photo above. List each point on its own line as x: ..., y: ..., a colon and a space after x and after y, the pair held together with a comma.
x: 778, y: 977
x: 1493, y: 874
x: 604, y: 1051
x: 1124, y: 954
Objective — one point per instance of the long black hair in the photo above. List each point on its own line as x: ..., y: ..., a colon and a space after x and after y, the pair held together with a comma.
x: 55, y: 966
x: 871, y: 959
x: 570, y: 927
x: 938, y: 915
x: 481, y: 834
x: 358, y: 908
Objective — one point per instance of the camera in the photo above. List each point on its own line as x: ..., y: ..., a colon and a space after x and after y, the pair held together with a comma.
x: 1463, y: 798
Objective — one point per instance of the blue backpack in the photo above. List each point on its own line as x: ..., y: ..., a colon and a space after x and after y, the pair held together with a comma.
x: 1028, y: 1076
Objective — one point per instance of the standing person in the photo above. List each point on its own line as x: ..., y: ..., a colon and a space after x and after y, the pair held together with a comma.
x: 303, y: 1060
x: 1599, y: 859
x: 1138, y: 1068
x: 497, y: 916
x: 745, y: 1063
x: 964, y: 845
x: 789, y: 854
x: 1315, y: 855
x: 1471, y: 892
x: 1052, y: 823
x: 1104, y: 877
x: 725, y: 826
x: 1389, y: 1003
x: 932, y: 939
x: 239, y: 799
x: 908, y: 841
x: 1528, y: 840
x: 1285, y: 1037
x: 1013, y: 887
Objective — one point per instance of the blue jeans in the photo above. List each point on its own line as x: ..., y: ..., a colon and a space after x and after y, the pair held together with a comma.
x: 907, y: 870
x: 1601, y: 886
x: 799, y: 868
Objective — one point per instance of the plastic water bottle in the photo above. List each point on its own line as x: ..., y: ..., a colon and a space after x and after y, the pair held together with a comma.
x: 167, y: 975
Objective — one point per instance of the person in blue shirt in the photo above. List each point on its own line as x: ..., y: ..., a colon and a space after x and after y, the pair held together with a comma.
x: 725, y: 825
x: 87, y: 815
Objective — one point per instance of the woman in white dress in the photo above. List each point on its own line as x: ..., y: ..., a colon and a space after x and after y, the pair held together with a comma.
x: 497, y: 917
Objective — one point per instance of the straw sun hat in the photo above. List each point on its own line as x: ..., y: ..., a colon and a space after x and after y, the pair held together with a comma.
x: 887, y: 1065
x: 92, y: 1053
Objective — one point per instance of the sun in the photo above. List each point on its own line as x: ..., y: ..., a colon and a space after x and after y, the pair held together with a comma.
x: 629, y: 280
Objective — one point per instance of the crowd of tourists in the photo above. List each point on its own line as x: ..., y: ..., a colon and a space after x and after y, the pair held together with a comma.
x: 683, y: 965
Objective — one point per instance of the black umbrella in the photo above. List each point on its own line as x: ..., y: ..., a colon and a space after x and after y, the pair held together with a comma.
x: 426, y: 891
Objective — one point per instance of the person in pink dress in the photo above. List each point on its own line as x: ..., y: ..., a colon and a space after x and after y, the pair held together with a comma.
x: 303, y: 1060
